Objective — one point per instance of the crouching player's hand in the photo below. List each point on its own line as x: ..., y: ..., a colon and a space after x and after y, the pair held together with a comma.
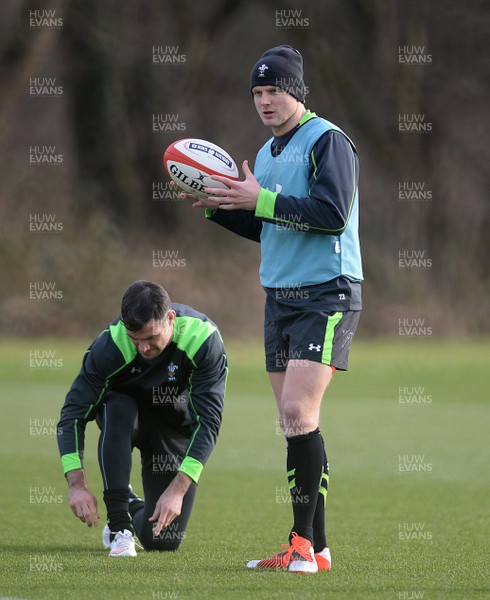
x: 81, y: 500
x: 169, y: 505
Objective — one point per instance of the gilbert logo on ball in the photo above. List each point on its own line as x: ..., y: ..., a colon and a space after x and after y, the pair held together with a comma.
x: 191, y: 162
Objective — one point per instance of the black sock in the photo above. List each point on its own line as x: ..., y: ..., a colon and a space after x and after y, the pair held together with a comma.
x: 319, y: 534
x: 304, y: 465
x: 117, y: 504
x: 136, y: 510
x: 135, y: 504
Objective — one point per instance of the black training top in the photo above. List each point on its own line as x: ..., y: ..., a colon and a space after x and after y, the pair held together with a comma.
x: 186, y: 382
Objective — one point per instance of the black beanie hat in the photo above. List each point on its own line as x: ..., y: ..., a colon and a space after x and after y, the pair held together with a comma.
x: 281, y: 67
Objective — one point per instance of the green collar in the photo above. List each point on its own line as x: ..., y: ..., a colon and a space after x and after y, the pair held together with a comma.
x: 306, y: 117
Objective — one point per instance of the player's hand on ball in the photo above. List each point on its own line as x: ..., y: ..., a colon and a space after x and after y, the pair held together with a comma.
x: 84, y: 505
x: 239, y: 195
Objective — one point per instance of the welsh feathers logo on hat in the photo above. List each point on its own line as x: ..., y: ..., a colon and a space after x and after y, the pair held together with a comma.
x: 262, y: 70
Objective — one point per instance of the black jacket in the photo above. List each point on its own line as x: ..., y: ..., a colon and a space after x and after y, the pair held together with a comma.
x: 186, y: 382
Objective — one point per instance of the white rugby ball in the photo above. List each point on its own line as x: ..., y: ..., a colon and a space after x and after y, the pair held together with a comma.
x: 191, y: 162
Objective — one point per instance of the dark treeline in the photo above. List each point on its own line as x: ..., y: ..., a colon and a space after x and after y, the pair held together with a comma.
x: 92, y: 92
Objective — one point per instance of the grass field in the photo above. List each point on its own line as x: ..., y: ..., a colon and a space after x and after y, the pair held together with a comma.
x: 407, y: 433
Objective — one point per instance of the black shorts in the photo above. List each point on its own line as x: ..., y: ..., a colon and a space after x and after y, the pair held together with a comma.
x: 306, y: 324
x: 162, y: 447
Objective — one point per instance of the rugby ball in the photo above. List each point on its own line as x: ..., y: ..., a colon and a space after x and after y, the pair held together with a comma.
x: 191, y: 162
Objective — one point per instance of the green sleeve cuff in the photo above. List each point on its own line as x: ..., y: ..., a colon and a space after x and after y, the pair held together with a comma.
x: 266, y: 204
x: 70, y: 462
x: 192, y: 467
x: 209, y: 212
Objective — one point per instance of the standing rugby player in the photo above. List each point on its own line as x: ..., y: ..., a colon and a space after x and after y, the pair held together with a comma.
x: 154, y: 379
x: 302, y: 206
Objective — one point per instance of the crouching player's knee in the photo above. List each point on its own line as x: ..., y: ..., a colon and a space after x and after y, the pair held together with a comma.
x: 167, y: 540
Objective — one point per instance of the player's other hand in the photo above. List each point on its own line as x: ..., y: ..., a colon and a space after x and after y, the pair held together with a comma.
x: 167, y: 508
x: 84, y: 505
x: 199, y: 201
x: 169, y: 505
x: 81, y: 500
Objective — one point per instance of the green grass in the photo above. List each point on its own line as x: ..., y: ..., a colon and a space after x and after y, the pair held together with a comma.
x: 241, y: 510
